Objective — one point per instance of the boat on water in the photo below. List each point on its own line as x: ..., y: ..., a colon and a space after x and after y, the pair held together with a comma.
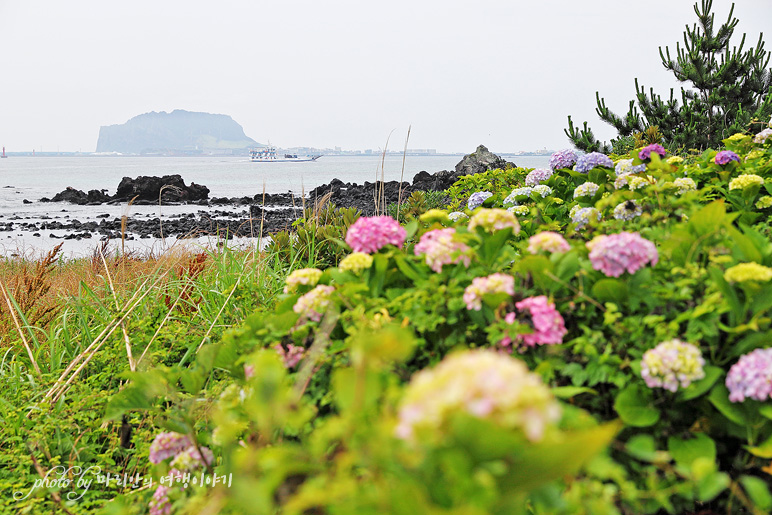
x: 269, y: 155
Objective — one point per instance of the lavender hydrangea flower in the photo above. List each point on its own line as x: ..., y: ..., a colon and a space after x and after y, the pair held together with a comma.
x: 543, y: 190
x: 583, y: 215
x: 477, y: 198
x: 627, y: 210
x: 166, y: 445
x: 456, y: 216
x: 655, y: 148
x: 587, y: 189
x: 524, y: 191
x: 587, y: 162
x: 760, y: 138
x: 625, y: 167
x: 751, y: 377
x: 726, y: 156
x: 539, y: 175
x: 563, y: 159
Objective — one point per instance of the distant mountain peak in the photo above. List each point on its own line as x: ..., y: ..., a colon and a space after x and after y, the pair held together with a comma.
x: 178, y: 131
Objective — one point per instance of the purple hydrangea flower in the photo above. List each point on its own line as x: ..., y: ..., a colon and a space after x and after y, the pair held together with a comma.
x: 751, y: 377
x: 167, y: 445
x: 563, y: 159
x: 646, y: 151
x: 587, y: 162
x: 540, y: 175
x: 477, y: 198
x: 725, y: 156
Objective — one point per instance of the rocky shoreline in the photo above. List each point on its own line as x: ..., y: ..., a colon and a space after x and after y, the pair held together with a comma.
x: 274, y: 212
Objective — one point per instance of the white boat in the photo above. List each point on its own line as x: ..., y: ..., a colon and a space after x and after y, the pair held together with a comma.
x: 268, y: 155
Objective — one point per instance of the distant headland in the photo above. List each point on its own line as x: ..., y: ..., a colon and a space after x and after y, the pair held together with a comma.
x: 178, y: 133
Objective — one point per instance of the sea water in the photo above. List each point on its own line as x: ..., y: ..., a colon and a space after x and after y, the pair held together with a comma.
x: 32, y: 178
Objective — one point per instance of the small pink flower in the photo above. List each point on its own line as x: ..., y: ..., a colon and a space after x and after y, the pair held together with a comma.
x: 368, y: 235
x: 290, y: 356
x: 440, y: 249
x: 617, y: 253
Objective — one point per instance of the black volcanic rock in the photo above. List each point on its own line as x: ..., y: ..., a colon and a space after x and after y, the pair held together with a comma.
x: 481, y: 160
x: 147, y: 188
x: 70, y: 195
x: 181, y: 131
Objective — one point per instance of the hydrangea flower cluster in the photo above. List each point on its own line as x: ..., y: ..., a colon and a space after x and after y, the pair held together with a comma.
x: 616, y: 253
x: 543, y: 190
x: 587, y: 162
x: 519, y: 210
x: 582, y: 215
x: 511, y: 199
x: 456, y: 216
x: 764, y: 202
x: 167, y: 445
x: 481, y: 383
x: 684, y: 184
x: 186, y: 459
x: 726, y: 156
x: 493, y: 220
x: 672, y: 364
x: 635, y: 182
x: 539, y: 175
x: 290, y: 356
x: 748, y: 272
x: 548, y: 326
x: 440, y: 249
x: 434, y: 215
x: 547, y: 241
x: 588, y: 189
x: 304, y: 276
x: 481, y: 286
x: 477, y: 198
x: 369, y: 234
x: 627, y: 210
x: 674, y: 160
x: 655, y: 148
x: 356, y: 262
x: 762, y: 136
x: 314, y: 303
x: 625, y: 167
x: 751, y: 377
x: 745, y: 180
x: 562, y: 159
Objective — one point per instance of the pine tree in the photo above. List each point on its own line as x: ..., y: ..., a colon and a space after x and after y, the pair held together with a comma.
x: 729, y: 88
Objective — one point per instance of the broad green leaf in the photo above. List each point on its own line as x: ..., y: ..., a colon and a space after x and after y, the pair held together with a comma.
x: 686, y: 450
x: 633, y: 404
x: 763, y: 450
x: 719, y: 397
x: 758, y: 491
x: 644, y: 448
x: 697, y: 388
x: 566, y: 392
x: 610, y: 290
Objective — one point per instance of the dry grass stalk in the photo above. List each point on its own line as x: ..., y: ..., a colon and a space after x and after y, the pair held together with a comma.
x: 124, y: 221
x: 132, y: 365
x: 12, y: 311
x: 402, y: 174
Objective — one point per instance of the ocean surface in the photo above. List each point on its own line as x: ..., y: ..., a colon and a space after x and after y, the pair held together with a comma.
x: 32, y: 178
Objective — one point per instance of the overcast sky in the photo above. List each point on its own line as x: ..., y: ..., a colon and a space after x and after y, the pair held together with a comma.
x: 327, y: 73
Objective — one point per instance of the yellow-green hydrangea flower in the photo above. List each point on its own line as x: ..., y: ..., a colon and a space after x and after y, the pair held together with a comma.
x: 434, y: 215
x: 764, y: 202
x: 746, y: 180
x: 356, y: 262
x: 674, y: 160
x: 304, y: 276
x: 494, y: 220
x: 684, y: 184
x: 748, y: 272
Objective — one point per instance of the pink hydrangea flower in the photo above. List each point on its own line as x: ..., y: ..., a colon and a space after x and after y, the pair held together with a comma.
x: 314, y: 303
x: 167, y: 445
x: 290, y: 356
x: 548, y: 326
x: 547, y: 241
x: 751, y: 377
x: 654, y: 148
x: 369, y: 234
x: 494, y: 283
x: 160, y: 503
x: 617, y: 253
x: 440, y: 249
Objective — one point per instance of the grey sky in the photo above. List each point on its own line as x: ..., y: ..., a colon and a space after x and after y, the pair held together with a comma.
x: 338, y: 73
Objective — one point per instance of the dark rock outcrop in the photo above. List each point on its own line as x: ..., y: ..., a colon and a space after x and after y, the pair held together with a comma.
x: 149, y: 188
x: 481, y: 160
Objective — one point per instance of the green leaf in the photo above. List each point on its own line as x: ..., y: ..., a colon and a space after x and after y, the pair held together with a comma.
x: 766, y: 410
x: 719, y: 397
x: 644, y: 448
x: 633, y: 404
x: 762, y: 451
x: 610, y: 290
x: 567, y: 266
x: 685, y: 451
x: 411, y: 228
x: 538, y: 267
x: 697, y: 388
x: 567, y: 392
x: 758, y: 491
